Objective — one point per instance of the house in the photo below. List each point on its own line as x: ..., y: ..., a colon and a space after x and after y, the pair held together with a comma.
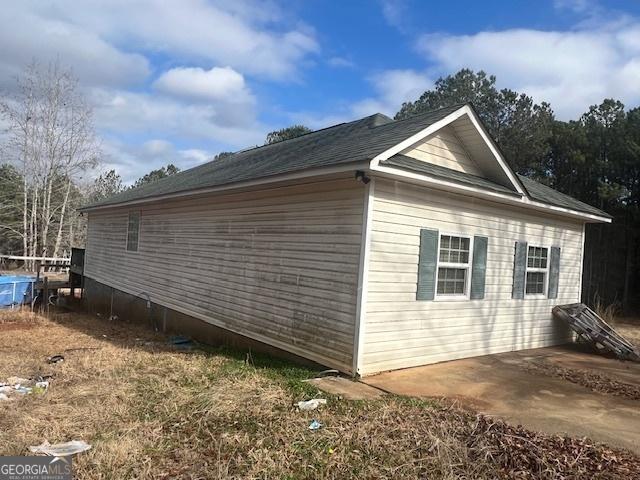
x: 367, y: 246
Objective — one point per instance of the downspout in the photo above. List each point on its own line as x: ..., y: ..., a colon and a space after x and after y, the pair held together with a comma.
x: 363, y: 275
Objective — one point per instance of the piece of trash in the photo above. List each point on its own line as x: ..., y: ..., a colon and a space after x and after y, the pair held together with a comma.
x: 22, y: 390
x: 315, y: 425
x: 55, y: 359
x: 183, y: 343
x: 41, y: 387
x: 61, y: 449
x: 311, y: 404
x: 3, y: 397
x: 328, y: 373
x: 6, y: 389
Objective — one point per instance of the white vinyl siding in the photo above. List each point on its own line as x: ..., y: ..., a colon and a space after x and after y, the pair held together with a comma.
x: 445, y: 149
x: 278, y: 265
x: 402, y: 332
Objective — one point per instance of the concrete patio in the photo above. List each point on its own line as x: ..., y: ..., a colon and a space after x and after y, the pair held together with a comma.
x: 502, y: 386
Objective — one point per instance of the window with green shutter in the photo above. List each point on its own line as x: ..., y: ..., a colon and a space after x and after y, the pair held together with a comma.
x: 451, y: 266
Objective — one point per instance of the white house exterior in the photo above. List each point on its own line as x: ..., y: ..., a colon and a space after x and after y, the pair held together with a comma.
x: 368, y: 246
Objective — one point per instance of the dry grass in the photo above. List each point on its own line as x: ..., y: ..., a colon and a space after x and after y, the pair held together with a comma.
x: 608, y: 313
x: 629, y: 329
x: 153, y: 412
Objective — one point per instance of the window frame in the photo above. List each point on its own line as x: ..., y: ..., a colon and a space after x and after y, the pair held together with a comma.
x: 545, y: 271
x: 442, y: 297
x: 126, y: 245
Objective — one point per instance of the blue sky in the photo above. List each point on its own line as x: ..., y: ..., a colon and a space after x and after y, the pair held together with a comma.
x: 180, y: 81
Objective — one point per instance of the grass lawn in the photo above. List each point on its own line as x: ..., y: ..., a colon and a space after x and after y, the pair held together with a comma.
x: 151, y: 411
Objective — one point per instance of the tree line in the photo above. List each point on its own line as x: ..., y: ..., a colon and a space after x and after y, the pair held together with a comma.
x: 49, y: 149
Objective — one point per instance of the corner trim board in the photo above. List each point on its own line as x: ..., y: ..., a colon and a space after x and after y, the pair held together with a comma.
x: 363, y: 276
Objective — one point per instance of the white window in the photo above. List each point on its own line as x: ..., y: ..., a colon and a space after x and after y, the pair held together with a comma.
x: 537, y: 270
x: 133, y: 231
x: 453, y: 266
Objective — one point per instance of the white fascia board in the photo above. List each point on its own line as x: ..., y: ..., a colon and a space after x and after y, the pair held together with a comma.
x: 517, y: 200
x: 494, y: 150
x: 464, y: 110
x: 390, y: 152
x: 315, y: 172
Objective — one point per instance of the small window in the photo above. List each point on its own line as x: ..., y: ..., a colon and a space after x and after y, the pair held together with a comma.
x: 537, y: 270
x: 453, y: 266
x: 133, y: 231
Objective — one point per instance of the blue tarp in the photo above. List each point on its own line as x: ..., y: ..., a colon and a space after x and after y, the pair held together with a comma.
x: 15, y: 290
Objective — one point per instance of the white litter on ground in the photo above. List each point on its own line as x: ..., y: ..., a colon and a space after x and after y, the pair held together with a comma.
x: 311, y: 404
x: 61, y: 449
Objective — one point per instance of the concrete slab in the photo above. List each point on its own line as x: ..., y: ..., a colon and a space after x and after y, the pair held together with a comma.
x: 346, y: 388
x: 499, y: 385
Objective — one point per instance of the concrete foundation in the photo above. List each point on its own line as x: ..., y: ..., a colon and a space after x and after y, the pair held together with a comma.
x: 110, y: 302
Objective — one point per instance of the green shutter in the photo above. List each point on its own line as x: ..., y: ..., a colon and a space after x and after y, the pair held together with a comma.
x: 554, y: 272
x: 427, y: 264
x: 519, y: 270
x: 479, y: 267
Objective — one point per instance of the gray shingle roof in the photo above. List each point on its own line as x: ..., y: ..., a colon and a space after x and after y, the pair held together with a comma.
x: 355, y: 141
x: 418, y: 166
x: 535, y: 190
x: 542, y: 193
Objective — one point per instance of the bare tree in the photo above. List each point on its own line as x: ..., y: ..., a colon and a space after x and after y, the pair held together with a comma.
x: 51, y: 137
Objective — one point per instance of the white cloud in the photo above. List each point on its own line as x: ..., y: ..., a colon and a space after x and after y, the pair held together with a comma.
x: 216, y: 84
x: 575, y: 5
x: 132, y: 161
x: 237, y: 34
x: 570, y: 69
x: 129, y: 113
x: 394, y: 12
x: 28, y: 34
x: 107, y: 43
x: 392, y: 87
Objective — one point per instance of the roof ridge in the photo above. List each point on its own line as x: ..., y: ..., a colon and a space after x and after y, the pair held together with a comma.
x: 310, y: 133
x: 431, y: 112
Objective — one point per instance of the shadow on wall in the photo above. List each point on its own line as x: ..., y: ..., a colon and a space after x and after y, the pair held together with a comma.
x: 109, y: 303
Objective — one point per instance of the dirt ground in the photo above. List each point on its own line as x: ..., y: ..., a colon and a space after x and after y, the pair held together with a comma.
x: 151, y: 410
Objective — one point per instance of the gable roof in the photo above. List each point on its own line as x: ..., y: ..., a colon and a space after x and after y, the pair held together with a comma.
x: 345, y: 144
x: 536, y: 191
x: 543, y: 193
x: 415, y: 165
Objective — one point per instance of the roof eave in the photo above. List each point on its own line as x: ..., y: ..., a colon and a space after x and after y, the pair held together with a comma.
x: 248, y: 184
x: 515, y: 199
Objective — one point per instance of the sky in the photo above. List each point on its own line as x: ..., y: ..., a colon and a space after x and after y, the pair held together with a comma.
x: 179, y: 81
